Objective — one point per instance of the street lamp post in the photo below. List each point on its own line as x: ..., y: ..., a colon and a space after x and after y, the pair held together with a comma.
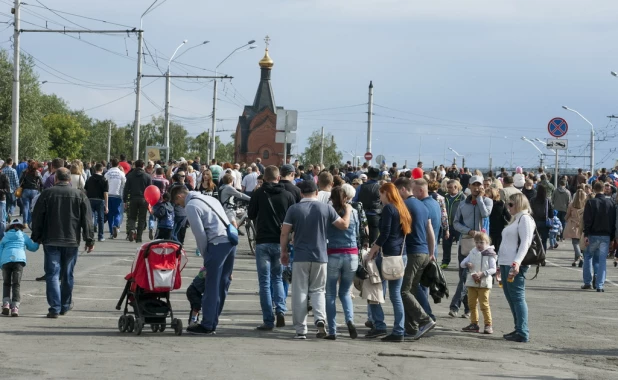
x: 166, y: 143
x: 591, y: 135
x: 541, y: 154
x: 463, y: 159
x: 214, y: 100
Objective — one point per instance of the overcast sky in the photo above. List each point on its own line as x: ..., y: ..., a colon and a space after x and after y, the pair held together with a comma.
x: 446, y: 73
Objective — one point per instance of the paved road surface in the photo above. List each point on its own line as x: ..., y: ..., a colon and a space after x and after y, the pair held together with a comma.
x: 573, y: 333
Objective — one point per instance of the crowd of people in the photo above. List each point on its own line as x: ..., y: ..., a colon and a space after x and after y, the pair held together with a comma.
x: 321, y: 231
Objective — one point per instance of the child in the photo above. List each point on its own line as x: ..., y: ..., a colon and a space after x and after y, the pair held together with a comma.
x: 194, y: 295
x: 481, y: 264
x: 555, y: 231
x: 164, y: 213
x: 13, y: 260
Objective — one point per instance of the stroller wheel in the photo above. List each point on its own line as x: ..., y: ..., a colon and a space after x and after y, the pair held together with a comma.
x: 130, y: 323
x: 139, y: 325
x: 154, y: 328
x: 162, y: 327
x: 122, y: 323
x: 177, y: 325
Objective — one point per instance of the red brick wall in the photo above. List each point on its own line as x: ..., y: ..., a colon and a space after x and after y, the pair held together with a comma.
x: 261, y: 138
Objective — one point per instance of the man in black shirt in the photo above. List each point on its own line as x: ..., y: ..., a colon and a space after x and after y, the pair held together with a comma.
x: 96, y: 189
x: 287, y: 180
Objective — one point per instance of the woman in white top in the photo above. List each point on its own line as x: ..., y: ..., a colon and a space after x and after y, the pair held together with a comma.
x: 77, y: 180
x: 516, y: 240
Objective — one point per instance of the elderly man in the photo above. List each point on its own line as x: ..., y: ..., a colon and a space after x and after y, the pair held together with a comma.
x: 60, y: 215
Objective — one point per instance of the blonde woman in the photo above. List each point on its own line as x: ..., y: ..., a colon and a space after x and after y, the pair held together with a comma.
x: 77, y: 179
x: 516, y: 240
x: 573, y: 229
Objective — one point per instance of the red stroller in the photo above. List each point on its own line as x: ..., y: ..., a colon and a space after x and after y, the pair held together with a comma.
x: 155, y: 272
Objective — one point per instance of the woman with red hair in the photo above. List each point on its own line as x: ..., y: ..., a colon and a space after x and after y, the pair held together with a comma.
x: 395, y: 224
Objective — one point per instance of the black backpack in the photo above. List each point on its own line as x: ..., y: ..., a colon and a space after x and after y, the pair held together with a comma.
x: 535, y: 254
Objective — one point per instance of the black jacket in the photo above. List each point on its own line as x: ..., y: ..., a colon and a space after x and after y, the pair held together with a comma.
x: 5, y: 187
x: 137, y: 181
x: 292, y: 188
x: 499, y: 218
x: 96, y: 187
x: 433, y: 278
x: 369, y: 196
x: 529, y: 193
x: 60, y: 214
x: 268, y: 221
x: 600, y: 217
x: 541, y: 211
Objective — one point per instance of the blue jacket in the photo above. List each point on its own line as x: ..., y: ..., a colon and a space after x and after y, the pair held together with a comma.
x: 13, y: 247
x: 164, y: 212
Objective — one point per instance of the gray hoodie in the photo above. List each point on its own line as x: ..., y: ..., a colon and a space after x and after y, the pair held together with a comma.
x: 470, y: 217
x: 561, y: 199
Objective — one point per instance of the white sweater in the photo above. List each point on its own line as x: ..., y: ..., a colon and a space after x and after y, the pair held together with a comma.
x: 522, y: 228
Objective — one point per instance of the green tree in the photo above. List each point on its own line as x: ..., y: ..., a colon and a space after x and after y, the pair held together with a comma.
x: 66, y: 135
x: 311, y: 155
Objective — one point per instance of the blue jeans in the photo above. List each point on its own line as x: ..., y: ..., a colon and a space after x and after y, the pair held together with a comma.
x: 394, y: 293
x: 98, y: 212
x: 151, y: 222
x: 340, y: 266
x: 27, y: 196
x: 596, y: 256
x: 269, y: 270
x: 114, y: 215
x: 10, y: 204
x: 461, y: 293
x: 515, y: 293
x: 3, y: 216
x: 552, y: 239
x: 422, y: 295
x: 219, y: 264
x: 59, y: 263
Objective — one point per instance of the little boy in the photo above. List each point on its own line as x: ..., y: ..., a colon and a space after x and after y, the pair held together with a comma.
x: 195, y: 292
x: 555, y: 231
x: 164, y: 213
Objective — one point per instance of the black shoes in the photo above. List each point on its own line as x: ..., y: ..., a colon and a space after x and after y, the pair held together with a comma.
x: 42, y: 278
x: 393, y: 338
x: 280, y: 320
x: 586, y: 286
x: 198, y: 329
x: 594, y: 281
x: 264, y: 327
x: 330, y: 337
x: 52, y: 315
x: 509, y: 334
x: 352, y: 330
x: 321, y: 329
x: 373, y: 333
x: 369, y: 324
x: 600, y: 290
x: 515, y: 338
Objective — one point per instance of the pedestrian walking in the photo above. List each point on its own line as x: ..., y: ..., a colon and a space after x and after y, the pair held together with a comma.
x: 498, y: 219
x: 97, y: 190
x: 137, y: 182
x: 452, y: 200
x: 369, y: 195
x: 554, y: 231
x: 31, y: 183
x: 542, y: 212
x: 116, y: 180
x: 574, y: 221
x: 561, y: 199
x: 11, y: 174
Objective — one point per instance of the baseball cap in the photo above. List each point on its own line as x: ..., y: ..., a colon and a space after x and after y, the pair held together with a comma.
x: 476, y: 178
x: 307, y: 187
x: 287, y: 170
x: 182, y: 159
x: 16, y: 223
x: 363, y: 176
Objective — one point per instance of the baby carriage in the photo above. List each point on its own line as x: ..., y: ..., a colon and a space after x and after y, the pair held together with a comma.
x: 155, y: 272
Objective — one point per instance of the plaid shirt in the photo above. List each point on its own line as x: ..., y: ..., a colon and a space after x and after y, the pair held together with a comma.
x: 12, y: 176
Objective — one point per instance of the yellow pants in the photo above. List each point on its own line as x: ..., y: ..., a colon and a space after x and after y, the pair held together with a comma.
x: 480, y: 295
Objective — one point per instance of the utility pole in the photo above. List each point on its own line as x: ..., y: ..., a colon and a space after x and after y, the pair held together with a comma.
x: 138, y: 92
x: 463, y: 161
x: 420, y: 143
x: 166, y: 137
x: 109, y: 141
x: 556, y: 171
x: 542, y: 156
x: 370, y: 118
x: 15, y: 97
x: 214, y: 120
x: 322, y: 149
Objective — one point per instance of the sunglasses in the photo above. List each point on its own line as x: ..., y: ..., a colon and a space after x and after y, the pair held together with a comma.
x: 511, y: 204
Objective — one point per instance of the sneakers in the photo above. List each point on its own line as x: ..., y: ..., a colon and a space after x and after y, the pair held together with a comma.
x: 300, y: 336
x: 193, y: 319
x: 264, y: 327
x: 102, y: 239
x: 42, y: 278
x: 198, y: 329
x: 280, y: 320
x: 393, y: 338
x: 6, y: 308
x: 14, y: 312
x: 586, y: 286
x: 488, y: 330
x: 509, y: 334
x: 52, y: 315
x: 453, y: 313
x: 369, y: 324
x: 373, y: 333
x: 443, y: 266
x: 465, y: 315
x: 600, y: 290
x: 424, y: 329
x: 197, y: 252
x: 352, y: 330
x: 321, y: 329
x: 131, y: 235
x: 515, y: 338
x: 472, y: 327
x: 330, y: 337
x: 114, y: 232
x: 581, y: 264
x: 150, y: 234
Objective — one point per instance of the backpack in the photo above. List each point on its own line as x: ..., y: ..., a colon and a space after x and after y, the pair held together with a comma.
x: 535, y: 254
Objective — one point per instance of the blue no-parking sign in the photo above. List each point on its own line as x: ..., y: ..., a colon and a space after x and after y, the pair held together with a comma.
x: 557, y: 127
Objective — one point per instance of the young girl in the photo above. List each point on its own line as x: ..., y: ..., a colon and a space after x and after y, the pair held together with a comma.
x: 481, y: 264
x: 13, y: 260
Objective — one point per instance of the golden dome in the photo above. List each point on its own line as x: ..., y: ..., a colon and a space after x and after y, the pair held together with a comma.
x: 266, y: 62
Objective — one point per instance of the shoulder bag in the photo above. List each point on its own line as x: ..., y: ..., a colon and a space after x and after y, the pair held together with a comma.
x: 393, y: 267
x: 232, y: 232
x: 272, y: 208
x: 20, y: 189
x: 535, y: 254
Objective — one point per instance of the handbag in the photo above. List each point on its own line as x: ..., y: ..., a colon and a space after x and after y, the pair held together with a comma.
x: 361, y: 271
x: 393, y: 267
x: 232, y: 232
x: 535, y: 255
x: 20, y: 189
x: 548, y: 222
x: 467, y: 244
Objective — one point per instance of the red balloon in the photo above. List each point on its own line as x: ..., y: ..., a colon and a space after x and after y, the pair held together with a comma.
x: 125, y: 166
x: 152, y: 194
x: 417, y: 173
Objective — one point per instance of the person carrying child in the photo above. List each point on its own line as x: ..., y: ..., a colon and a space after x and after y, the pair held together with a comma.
x: 164, y: 213
x: 13, y: 260
x: 555, y: 231
x: 481, y: 265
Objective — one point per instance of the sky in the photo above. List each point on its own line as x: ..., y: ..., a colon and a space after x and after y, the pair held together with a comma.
x: 474, y: 76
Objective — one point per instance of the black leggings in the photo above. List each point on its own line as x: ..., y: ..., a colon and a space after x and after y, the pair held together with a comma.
x: 11, y: 273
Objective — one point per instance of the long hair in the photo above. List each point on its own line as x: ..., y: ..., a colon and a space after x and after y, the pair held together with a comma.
x: 207, y: 183
x: 32, y: 167
x: 339, y: 199
x: 579, y: 199
x: 520, y: 203
x: 541, y: 194
x: 390, y: 192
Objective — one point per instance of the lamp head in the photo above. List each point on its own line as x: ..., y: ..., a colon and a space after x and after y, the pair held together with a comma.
x: 614, y: 73
x: 566, y: 108
x: 251, y: 42
x: 205, y: 42
x: 185, y: 41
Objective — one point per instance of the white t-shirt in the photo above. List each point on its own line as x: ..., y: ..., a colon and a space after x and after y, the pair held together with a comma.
x: 250, y: 181
x: 116, y: 180
x: 237, y: 179
x: 324, y: 196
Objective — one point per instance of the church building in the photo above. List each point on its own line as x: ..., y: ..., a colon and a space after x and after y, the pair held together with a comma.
x: 256, y: 129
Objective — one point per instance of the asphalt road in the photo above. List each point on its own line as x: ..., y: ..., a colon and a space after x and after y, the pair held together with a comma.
x: 572, y: 333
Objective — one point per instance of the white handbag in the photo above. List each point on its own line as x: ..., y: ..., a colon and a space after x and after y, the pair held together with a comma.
x: 467, y: 244
x: 393, y: 267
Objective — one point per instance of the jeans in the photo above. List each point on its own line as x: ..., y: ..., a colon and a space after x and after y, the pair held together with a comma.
x: 515, y: 293
x: 447, y: 244
x: 98, y: 211
x: 59, y: 263
x: 10, y: 204
x: 3, y: 218
x: 114, y: 215
x: 308, y: 280
x: 394, y: 293
x: 138, y: 208
x: 596, y: 255
x: 552, y: 239
x: 151, y: 222
x: 219, y: 263
x: 269, y: 270
x: 461, y: 294
x: 578, y: 251
x: 340, y: 266
x: 180, y: 229
x: 27, y: 196
x: 11, y: 274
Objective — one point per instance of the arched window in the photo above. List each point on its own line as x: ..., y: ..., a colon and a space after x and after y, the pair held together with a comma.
x: 265, y: 155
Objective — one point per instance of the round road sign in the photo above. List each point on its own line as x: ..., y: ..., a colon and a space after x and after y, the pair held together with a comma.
x: 380, y: 159
x: 557, y: 127
x: 368, y: 156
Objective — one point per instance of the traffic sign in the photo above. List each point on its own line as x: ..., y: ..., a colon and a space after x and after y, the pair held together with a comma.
x: 557, y: 127
x: 557, y: 144
x: 380, y: 159
x: 280, y: 137
x: 368, y: 156
x: 287, y: 120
